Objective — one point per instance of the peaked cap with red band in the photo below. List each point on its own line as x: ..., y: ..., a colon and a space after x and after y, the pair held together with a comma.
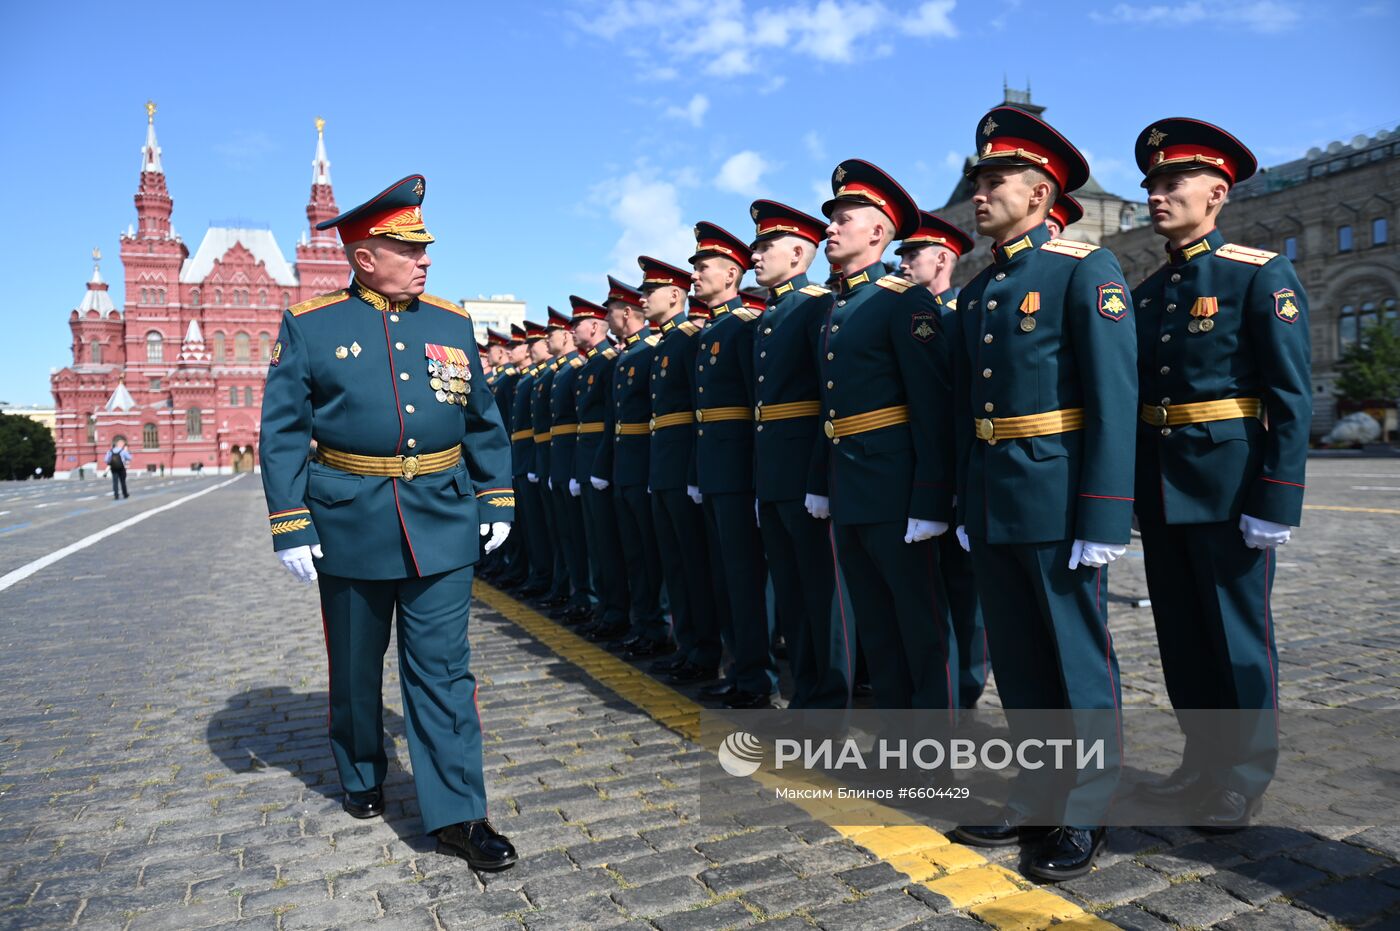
x: 395, y: 212
x: 1181, y: 143
x: 517, y: 334
x: 718, y: 241
x: 1010, y: 136
x: 754, y: 300
x: 1067, y: 211
x: 586, y: 310
x: 699, y: 310
x: 935, y: 231
x: 772, y: 219
x: 623, y: 293
x: 534, y: 332
x: 656, y: 274
x: 497, y: 338
x: 557, y: 320
x: 856, y: 181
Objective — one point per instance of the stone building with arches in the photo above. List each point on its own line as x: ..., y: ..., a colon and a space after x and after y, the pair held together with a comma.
x: 177, y: 367
x: 1332, y: 213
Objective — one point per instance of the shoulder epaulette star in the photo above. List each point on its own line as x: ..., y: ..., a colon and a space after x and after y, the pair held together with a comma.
x: 688, y: 328
x: 325, y: 300
x: 895, y: 283
x: 610, y: 353
x: 653, y: 339
x: 815, y: 290
x: 746, y: 315
x: 1244, y: 254
x: 1069, y: 247
x: 445, y: 304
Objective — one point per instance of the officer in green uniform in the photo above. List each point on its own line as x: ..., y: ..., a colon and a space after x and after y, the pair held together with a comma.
x: 886, y: 390
x: 1046, y: 392
x: 599, y: 517
x: 621, y: 467
x: 523, y: 452
x: 724, y: 436
x: 411, y: 458
x: 789, y: 465
x: 1066, y: 212
x: 563, y: 431
x: 1222, y: 443
x: 556, y: 598
x: 928, y: 258
x: 676, y: 516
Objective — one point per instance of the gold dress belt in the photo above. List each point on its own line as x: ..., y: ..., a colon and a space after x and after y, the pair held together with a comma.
x: 672, y: 420
x: 787, y: 410
x: 404, y: 467
x: 591, y: 426
x: 864, y: 423
x: 542, y: 437
x: 992, y: 429
x: 519, y: 435
x: 1173, y: 415
x: 631, y: 429
x: 716, y: 414
x: 563, y: 429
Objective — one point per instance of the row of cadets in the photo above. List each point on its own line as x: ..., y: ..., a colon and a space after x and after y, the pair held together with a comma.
x: 563, y: 432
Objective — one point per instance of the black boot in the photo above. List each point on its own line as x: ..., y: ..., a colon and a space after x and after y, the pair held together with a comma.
x: 477, y: 842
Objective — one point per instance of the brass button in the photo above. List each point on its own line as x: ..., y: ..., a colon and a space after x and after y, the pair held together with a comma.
x: 760, y: 378
x: 830, y: 356
x: 989, y: 407
x: 1166, y: 431
x: 700, y: 368
x: 831, y: 413
x: 1166, y: 337
x: 412, y: 443
x: 701, y: 389
x: 1166, y: 401
x: 393, y: 318
x: 700, y: 432
x: 830, y: 430
x: 403, y: 376
x: 399, y: 346
x: 831, y: 384
x: 986, y: 373
x: 992, y: 304
x: 987, y: 338
x: 763, y: 354
x: 1176, y: 277
x: 767, y: 330
x: 1165, y: 370
x: 408, y: 408
x: 835, y: 327
x: 841, y: 303
x: 1171, y: 308
x: 1001, y: 276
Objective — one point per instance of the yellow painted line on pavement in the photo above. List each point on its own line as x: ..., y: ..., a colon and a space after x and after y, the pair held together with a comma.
x: 925, y: 855
x: 1338, y: 507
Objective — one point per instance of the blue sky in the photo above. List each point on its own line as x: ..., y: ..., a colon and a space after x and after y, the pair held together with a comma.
x: 561, y: 139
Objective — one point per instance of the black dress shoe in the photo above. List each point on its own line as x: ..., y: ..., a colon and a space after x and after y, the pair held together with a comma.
x: 608, y: 632
x: 719, y: 691
x: 623, y: 644
x: 579, y: 613
x: 481, y: 845
x: 554, y: 601
x: 1181, y: 782
x: 1226, y: 811
x: 668, y: 663
x: 1066, y: 853
x: 691, y: 672
x: 366, y: 804
x: 741, y: 699
x: 531, y: 591
x: 645, y: 648
x: 1003, y: 833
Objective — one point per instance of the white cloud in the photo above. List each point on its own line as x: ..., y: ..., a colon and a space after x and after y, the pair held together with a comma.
x: 648, y: 211
x: 954, y: 160
x: 742, y: 173
x: 1266, y: 16
x: 932, y: 19
x: 815, y: 147
x: 693, y: 112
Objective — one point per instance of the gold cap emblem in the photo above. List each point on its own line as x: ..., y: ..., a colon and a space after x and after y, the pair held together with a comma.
x: 989, y: 127
x: 418, y: 187
x: 1155, y: 137
x: 840, y: 173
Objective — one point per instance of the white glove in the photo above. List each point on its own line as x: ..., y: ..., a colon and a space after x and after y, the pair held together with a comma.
x: 499, y: 531
x: 550, y: 483
x: 963, y: 540
x: 757, y: 521
x: 819, y: 506
x: 917, y: 530
x: 575, y: 488
x: 534, y: 479
x: 599, y: 483
x: 694, y: 492
x: 1094, y: 555
x: 298, y: 561
x: 1263, y: 534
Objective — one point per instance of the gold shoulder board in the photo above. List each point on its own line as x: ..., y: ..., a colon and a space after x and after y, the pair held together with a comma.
x: 305, y: 307
x: 1069, y: 247
x: 688, y: 328
x: 610, y: 353
x: 445, y: 304
x: 576, y: 362
x: 653, y: 339
x: 746, y: 315
x: 815, y: 290
x: 1244, y: 254
x: 895, y: 283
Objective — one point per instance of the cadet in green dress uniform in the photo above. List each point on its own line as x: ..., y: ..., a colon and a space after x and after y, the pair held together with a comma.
x: 523, y: 447
x: 556, y: 599
x: 928, y: 258
x: 1046, y: 392
x: 516, y: 548
x: 495, y: 360
x: 411, y: 457
x: 1222, y: 440
x: 724, y: 405
x: 789, y: 465
x: 886, y: 392
x: 676, y: 516
x: 563, y: 431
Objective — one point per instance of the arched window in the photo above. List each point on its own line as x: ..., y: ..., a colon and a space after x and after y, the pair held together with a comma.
x: 150, y: 438
x: 286, y: 299
x: 160, y: 295
x: 1388, y: 309
x: 194, y: 429
x: 264, y: 347
x: 1368, y: 316
x: 218, y: 295
x: 219, y: 346
x: 247, y: 397
x: 155, y: 350
x: 1346, y: 326
x: 233, y: 396
x: 94, y: 351
x: 194, y: 297
x: 262, y: 297
x: 145, y: 296
x: 92, y: 428
x: 241, y: 348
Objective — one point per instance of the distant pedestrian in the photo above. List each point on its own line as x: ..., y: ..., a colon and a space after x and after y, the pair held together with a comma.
x: 117, y: 458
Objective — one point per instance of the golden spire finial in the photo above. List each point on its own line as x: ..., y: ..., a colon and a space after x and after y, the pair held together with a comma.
x: 150, y: 111
x: 320, y: 124
x: 96, y: 254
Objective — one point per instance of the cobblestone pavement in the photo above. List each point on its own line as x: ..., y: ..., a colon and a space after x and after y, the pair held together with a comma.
x: 163, y: 759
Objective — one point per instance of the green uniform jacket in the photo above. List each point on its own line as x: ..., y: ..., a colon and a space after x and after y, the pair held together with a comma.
x: 672, y: 367
x: 522, y: 447
x: 593, y: 405
x: 1256, y: 346
x: 1080, y: 353
x: 539, y: 418
x: 561, y: 414
x: 882, y: 345
x: 724, y: 378
x: 354, y: 378
x: 785, y: 369
x: 625, y: 460
x: 503, y: 384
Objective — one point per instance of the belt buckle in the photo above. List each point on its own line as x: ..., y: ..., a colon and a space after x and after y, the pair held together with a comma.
x: 617, y: 427
x: 408, y: 467
x: 830, y: 429
x: 652, y: 425
x: 758, y: 413
x: 1157, y: 415
x: 986, y: 430
x: 700, y: 415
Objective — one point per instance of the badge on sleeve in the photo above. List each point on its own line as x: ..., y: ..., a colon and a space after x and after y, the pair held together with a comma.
x: 276, y: 354
x: 1286, y: 305
x: 921, y: 326
x: 1113, y: 301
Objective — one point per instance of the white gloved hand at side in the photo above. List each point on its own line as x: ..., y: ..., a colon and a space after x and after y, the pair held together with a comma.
x: 575, y: 488
x: 1262, y: 534
x: 917, y: 530
x: 1094, y: 555
x: 534, y: 479
x: 298, y: 561
x: 819, y: 506
x: 599, y: 483
x: 963, y: 541
x: 550, y: 483
x: 757, y: 521
x: 499, y: 530
x: 694, y: 492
